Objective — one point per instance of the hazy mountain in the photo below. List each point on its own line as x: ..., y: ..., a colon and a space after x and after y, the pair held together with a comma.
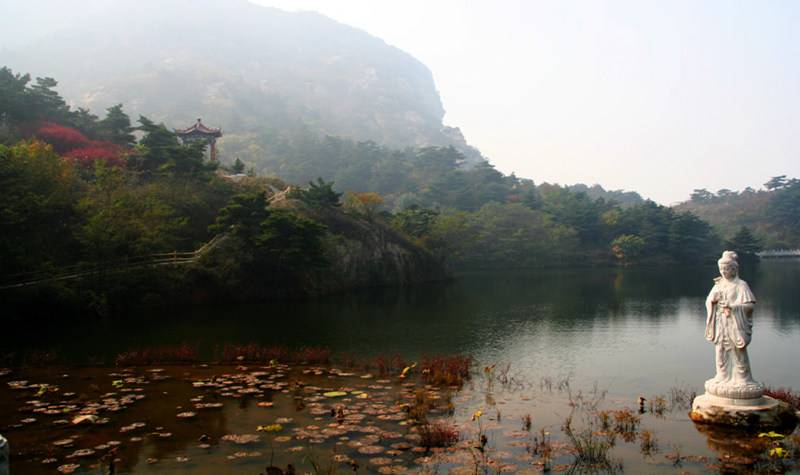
x: 269, y: 78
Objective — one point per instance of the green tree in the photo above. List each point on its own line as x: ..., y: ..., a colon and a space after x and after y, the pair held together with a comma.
x: 123, y: 219
x: 160, y: 151
x: 319, y: 194
x: 116, y: 127
x: 47, y: 103
x: 243, y: 216
x: 702, y: 195
x: 238, y: 166
x: 83, y: 120
x: 14, y: 97
x: 37, y: 213
x: 579, y: 212
x: 776, y: 182
x: 415, y: 221
x: 273, y: 238
x: 744, y: 242
x: 627, y: 248
x: 783, y: 211
x: 691, y: 240
x: 364, y: 203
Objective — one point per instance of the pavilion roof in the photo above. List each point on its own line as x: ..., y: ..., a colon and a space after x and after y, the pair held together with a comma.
x: 199, y: 127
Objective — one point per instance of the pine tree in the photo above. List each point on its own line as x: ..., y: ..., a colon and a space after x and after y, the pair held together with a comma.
x: 744, y: 242
x: 116, y: 127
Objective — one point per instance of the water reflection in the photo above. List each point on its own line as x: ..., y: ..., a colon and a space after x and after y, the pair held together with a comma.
x: 639, y: 330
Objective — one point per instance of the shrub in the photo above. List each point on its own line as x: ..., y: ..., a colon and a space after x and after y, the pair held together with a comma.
x: 108, y: 152
x: 61, y: 138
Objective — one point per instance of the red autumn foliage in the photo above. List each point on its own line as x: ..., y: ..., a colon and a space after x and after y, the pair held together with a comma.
x: 446, y: 370
x: 97, y: 150
x: 438, y: 434
x: 256, y: 353
x: 61, y: 138
x: 184, y: 353
x: 787, y: 395
x: 77, y: 147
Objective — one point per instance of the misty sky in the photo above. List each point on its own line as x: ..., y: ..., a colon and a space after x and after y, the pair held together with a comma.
x: 659, y: 97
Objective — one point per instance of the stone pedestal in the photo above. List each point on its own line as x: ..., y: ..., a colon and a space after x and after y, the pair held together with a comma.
x: 760, y: 413
x: 4, y: 452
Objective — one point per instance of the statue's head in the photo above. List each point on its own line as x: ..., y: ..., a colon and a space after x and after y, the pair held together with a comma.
x: 728, y: 264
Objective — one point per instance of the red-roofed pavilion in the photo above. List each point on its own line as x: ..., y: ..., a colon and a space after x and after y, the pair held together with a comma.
x: 198, y: 131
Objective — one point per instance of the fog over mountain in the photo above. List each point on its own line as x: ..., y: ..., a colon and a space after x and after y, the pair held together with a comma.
x: 269, y: 78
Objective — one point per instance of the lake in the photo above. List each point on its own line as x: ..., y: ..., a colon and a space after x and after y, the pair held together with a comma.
x: 614, y: 334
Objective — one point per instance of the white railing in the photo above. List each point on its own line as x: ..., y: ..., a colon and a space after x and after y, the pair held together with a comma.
x: 80, y: 271
x: 778, y: 253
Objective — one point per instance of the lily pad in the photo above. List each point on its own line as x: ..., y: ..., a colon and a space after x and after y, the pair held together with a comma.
x: 68, y: 467
x: 241, y: 439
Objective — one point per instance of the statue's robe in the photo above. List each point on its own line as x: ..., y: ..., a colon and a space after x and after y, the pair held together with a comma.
x: 739, y: 297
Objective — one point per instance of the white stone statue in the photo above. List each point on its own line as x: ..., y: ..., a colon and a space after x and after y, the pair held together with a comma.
x: 729, y: 325
x: 733, y: 398
x: 4, y: 451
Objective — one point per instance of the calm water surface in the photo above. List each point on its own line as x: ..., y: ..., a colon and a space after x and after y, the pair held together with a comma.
x: 630, y: 330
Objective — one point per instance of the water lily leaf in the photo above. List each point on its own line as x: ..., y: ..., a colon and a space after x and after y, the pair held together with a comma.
x: 335, y: 394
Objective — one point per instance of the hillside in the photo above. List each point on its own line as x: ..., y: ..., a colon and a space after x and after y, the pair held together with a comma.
x: 772, y: 214
x: 272, y: 79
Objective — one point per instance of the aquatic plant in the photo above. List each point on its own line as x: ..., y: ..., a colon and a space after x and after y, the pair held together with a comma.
x: 681, y: 398
x: 561, y: 384
x: 541, y: 446
x: 270, y: 429
x: 313, y: 355
x: 254, y: 353
x: 591, y: 451
x: 183, y: 354
x: 626, y: 423
x: 438, y: 434
x: 787, y: 395
x: 648, y: 444
x: 527, y: 422
x: 446, y: 370
x: 657, y: 405
x: 418, y: 412
x: 389, y: 364
x: 676, y: 456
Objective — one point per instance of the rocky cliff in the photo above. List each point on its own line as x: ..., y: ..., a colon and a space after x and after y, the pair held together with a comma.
x: 365, y: 253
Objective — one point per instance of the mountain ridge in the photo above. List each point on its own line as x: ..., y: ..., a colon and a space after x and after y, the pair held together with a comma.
x: 268, y: 77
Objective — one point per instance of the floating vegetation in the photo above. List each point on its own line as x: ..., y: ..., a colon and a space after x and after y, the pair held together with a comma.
x: 436, y: 419
x: 241, y: 439
x: 68, y: 468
